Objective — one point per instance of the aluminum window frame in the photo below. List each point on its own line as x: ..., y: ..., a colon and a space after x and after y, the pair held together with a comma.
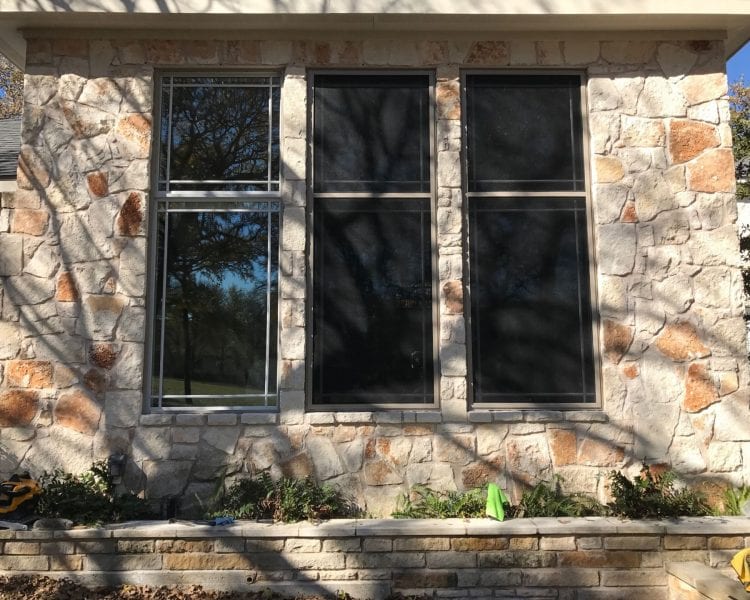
x: 160, y: 200
x: 585, y: 195
x: 431, y: 195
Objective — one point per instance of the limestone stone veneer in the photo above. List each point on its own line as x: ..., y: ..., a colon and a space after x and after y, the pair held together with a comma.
x: 73, y: 247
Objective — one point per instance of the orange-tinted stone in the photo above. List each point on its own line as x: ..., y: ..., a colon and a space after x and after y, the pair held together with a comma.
x: 490, y: 52
x: 679, y: 341
x: 617, y: 340
x: 481, y: 473
x: 713, y: 171
x: 629, y: 214
x: 71, y: 47
x: 78, y: 411
x: 562, y: 444
x: 18, y: 407
x: 608, y: 169
x: 630, y: 371
x: 137, y: 129
x: 105, y: 303
x: 31, y: 222
x: 448, y: 100
x: 700, y: 391
x: 454, y: 297
x: 95, y: 380
x: 131, y: 216
x: 687, y: 139
x: 30, y: 373
x: 380, y: 472
x: 103, y: 355
x: 66, y: 288
x: 299, y: 467
x: 98, y: 184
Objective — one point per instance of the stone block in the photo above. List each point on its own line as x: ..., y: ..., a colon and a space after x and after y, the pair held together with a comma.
x: 616, y: 243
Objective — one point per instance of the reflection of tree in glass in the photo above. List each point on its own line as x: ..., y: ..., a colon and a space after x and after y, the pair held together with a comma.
x: 219, y: 133
x: 216, y: 298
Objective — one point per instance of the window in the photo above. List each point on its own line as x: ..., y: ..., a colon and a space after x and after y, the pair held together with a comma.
x: 530, y: 297
x: 216, y: 247
x: 372, y: 281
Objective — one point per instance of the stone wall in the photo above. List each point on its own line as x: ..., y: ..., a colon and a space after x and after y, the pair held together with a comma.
x: 73, y: 239
x: 586, y: 559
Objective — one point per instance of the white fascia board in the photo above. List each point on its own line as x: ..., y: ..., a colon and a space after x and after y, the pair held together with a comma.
x: 375, y: 7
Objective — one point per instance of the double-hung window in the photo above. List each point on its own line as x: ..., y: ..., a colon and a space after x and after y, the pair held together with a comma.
x: 215, y: 252
x: 372, y: 244
x: 530, y: 294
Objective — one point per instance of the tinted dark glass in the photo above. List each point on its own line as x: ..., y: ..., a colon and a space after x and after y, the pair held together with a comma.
x: 219, y: 133
x: 524, y: 132
x: 372, y: 133
x: 530, y: 302
x: 373, y: 302
x: 214, y: 317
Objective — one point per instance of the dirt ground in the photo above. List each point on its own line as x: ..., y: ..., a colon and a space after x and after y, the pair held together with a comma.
x: 36, y: 587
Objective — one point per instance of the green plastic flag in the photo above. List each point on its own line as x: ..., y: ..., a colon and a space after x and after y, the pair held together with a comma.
x: 496, y: 498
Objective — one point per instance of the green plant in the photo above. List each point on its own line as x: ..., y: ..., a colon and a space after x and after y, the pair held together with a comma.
x: 287, y: 500
x: 651, y: 495
x: 548, y: 500
x: 87, y: 498
x: 735, y: 500
x: 425, y: 503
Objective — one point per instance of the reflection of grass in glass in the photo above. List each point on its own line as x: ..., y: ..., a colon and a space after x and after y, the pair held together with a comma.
x: 176, y: 386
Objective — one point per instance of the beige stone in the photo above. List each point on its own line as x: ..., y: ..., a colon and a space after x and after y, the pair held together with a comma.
x: 703, y: 87
x: 640, y: 132
x: 30, y: 374
x: 599, y: 452
x: 31, y: 222
x: 700, y: 390
x: 76, y: 410
x: 18, y: 407
x: 713, y: 171
x: 688, y: 139
x: 135, y: 129
x: 608, y: 169
x: 454, y: 297
x: 680, y: 341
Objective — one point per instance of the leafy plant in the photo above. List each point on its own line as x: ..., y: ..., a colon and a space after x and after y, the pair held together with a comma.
x: 651, y: 495
x: 548, y: 500
x: 287, y: 500
x: 735, y: 500
x: 425, y: 503
x: 87, y: 498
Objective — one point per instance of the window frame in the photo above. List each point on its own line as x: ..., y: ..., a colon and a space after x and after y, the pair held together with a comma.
x: 159, y: 202
x: 310, y: 253
x: 585, y: 194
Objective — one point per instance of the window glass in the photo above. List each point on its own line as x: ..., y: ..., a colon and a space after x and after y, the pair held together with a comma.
x: 524, y: 132
x: 530, y: 294
x: 216, y: 271
x: 219, y: 134
x: 372, y: 261
x: 373, y: 336
x: 372, y: 133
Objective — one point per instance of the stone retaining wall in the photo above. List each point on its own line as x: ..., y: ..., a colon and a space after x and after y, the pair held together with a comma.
x: 73, y: 272
x: 585, y: 559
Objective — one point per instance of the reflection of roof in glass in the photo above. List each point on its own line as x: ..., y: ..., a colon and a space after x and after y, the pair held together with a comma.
x: 10, y: 143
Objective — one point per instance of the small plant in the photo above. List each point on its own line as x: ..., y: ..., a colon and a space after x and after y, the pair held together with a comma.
x: 88, y: 498
x: 548, y: 500
x: 736, y: 501
x: 287, y: 500
x: 425, y: 503
x: 650, y: 495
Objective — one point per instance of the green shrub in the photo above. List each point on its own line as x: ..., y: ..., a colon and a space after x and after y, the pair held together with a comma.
x: 548, y: 500
x: 285, y: 500
x: 425, y: 503
x: 651, y: 496
x: 88, y: 498
x: 735, y: 499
